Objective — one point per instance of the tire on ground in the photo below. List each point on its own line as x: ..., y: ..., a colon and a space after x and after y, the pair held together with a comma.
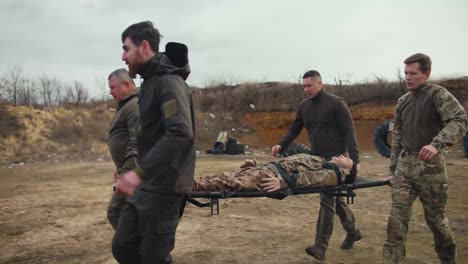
x: 380, y: 139
x: 218, y: 145
x: 217, y: 148
x: 295, y: 148
x: 214, y: 151
x: 235, y: 149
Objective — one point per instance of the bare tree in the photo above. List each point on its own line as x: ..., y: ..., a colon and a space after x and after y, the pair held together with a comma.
x: 78, y: 93
x: 101, y: 84
x: 341, y: 80
x: 380, y: 81
x: 14, y: 81
x: 26, y: 94
x: 401, y: 81
x: 3, y: 90
x: 58, y: 89
x: 46, y: 89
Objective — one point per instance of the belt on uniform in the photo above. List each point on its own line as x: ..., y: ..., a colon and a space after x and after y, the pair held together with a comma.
x: 291, y: 180
x: 407, y: 152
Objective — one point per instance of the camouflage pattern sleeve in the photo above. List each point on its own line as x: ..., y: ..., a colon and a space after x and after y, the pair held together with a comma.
x: 309, y: 171
x: 316, y: 179
x: 396, y: 135
x: 453, y: 117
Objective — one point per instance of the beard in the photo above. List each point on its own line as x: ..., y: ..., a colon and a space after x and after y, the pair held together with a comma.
x: 133, y: 67
x: 132, y: 71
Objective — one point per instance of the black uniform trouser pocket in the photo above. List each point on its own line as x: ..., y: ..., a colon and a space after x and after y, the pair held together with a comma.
x: 147, y: 233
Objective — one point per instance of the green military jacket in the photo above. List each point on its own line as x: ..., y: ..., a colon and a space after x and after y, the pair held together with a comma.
x: 123, y: 129
x: 428, y: 115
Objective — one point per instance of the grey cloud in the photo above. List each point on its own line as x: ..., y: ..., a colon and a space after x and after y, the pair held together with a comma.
x: 238, y: 40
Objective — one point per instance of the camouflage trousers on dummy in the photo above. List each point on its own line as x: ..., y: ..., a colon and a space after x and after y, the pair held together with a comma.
x: 250, y: 179
x: 428, y: 181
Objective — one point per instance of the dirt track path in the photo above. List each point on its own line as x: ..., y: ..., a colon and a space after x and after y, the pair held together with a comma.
x: 55, y: 213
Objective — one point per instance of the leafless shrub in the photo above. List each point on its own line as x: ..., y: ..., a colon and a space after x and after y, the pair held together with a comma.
x: 343, y: 80
x: 205, y: 102
x: 250, y: 94
x: 68, y: 130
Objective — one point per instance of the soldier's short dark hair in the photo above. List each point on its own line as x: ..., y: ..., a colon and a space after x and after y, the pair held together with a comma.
x: 143, y: 31
x: 312, y: 74
x: 425, y: 62
x: 122, y: 75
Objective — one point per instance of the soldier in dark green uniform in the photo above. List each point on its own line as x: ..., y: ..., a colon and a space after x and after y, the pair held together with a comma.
x: 166, y: 151
x: 427, y: 120
x: 304, y: 171
x: 122, y: 135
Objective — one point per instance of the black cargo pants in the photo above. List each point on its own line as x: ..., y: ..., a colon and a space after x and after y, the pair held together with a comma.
x: 329, y: 205
x: 147, y: 226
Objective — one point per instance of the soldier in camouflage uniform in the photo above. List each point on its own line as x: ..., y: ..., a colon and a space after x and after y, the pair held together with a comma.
x: 427, y: 120
x: 122, y: 135
x: 308, y: 171
x: 465, y: 145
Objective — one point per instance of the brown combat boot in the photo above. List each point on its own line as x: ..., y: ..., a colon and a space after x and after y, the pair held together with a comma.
x: 350, y: 239
x: 315, y: 251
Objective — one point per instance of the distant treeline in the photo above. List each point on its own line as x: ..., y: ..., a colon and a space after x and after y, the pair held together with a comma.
x: 282, y: 96
x: 17, y: 88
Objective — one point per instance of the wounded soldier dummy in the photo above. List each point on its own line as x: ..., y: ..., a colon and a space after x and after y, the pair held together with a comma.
x: 294, y: 172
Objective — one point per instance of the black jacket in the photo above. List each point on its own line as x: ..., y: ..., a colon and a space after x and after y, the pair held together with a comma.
x: 167, y: 127
x: 329, y: 126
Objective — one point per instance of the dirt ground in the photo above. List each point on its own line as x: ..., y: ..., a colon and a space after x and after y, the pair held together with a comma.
x: 55, y: 213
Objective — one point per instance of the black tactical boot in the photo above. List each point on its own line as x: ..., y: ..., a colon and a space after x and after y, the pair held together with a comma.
x: 350, y: 239
x: 168, y: 260
x: 315, y: 251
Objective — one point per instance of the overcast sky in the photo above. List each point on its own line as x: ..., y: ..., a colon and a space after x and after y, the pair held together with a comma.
x: 237, y: 41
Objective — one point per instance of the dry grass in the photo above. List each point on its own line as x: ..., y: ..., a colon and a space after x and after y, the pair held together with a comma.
x: 53, y: 135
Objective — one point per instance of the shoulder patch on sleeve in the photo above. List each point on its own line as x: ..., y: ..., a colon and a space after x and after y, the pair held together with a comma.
x: 170, y: 108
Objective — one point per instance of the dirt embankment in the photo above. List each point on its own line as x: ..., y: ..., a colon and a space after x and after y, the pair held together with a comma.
x: 54, y: 135
x: 269, y: 127
x: 29, y: 135
x: 255, y: 114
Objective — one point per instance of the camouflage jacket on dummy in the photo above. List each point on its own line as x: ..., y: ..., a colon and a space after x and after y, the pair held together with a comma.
x: 309, y: 172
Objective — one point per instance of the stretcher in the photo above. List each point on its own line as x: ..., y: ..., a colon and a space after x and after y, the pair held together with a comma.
x: 344, y: 190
